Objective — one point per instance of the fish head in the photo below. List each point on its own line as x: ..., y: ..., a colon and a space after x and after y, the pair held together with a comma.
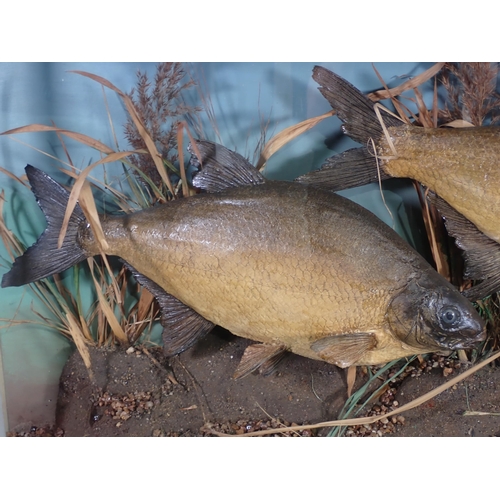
x: 429, y: 315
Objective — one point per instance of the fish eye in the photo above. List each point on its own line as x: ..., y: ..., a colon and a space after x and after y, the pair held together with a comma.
x: 450, y: 316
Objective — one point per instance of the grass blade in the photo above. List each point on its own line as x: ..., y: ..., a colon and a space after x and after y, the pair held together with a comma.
x: 411, y: 83
x: 82, y: 138
x: 77, y: 187
x: 153, y: 151
x: 106, y: 309
x: 288, y: 134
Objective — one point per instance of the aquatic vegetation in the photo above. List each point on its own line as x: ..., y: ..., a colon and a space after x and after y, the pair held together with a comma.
x: 472, y: 95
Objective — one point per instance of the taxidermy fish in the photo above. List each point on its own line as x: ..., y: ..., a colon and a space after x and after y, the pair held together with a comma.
x: 460, y: 165
x: 290, y: 266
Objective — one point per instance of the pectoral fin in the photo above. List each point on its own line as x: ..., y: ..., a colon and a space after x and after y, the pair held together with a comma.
x: 482, y: 254
x: 344, y: 350
x: 182, y: 326
x: 262, y: 357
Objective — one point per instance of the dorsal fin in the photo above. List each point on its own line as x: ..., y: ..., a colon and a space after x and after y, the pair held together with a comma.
x: 222, y: 168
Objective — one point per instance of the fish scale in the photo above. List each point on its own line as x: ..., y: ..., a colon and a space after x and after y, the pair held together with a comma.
x: 264, y: 265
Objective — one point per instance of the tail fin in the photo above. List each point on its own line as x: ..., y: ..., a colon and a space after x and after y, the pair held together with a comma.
x: 44, y: 258
x: 352, y: 168
x: 352, y: 106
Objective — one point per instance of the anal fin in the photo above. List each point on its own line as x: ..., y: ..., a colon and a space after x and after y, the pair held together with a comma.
x: 182, y: 326
x: 352, y: 168
x: 482, y: 254
x: 345, y: 349
x: 262, y: 357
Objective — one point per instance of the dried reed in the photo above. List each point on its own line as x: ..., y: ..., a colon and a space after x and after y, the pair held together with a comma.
x: 159, y: 108
x: 108, y: 321
x: 472, y: 94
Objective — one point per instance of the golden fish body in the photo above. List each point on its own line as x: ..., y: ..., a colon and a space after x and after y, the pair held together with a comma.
x: 291, y: 266
x: 461, y: 165
x: 278, y: 263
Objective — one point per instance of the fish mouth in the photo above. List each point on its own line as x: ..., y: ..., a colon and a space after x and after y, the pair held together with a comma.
x: 464, y: 340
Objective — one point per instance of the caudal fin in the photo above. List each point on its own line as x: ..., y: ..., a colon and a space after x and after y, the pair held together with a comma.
x: 44, y: 258
x: 355, y: 167
x: 352, y: 168
x: 352, y: 106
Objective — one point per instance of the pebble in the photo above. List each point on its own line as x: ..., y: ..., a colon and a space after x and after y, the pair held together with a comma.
x: 387, y: 401
x: 244, y: 426
x: 123, y: 407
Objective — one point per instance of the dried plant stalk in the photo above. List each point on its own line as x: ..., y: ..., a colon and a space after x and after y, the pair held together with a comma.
x: 408, y: 85
x: 288, y: 134
x: 106, y: 309
x: 77, y: 187
x: 82, y: 138
x: 472, y: 94
x: 79, y: 340
x: 351, y: 379
x: 159, y: 108
x: 134, y: 115
x: 87, y: 203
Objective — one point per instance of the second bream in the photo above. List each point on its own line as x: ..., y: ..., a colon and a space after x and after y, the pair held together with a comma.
x: 459, y: 165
